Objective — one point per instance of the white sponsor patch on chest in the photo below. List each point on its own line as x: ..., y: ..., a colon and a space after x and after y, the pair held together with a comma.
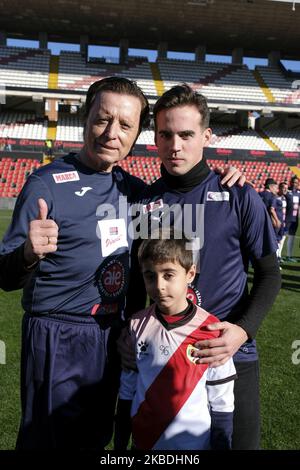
x: 66, y: 177
x: 217, y: 196
x: 113, y: 235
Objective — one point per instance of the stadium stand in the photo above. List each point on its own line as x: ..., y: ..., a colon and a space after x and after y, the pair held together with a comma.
x: 213, y: 80
x: 255, y: 119
x: 69, y: 128
x: 76, y: 74
x: 280, y: 87
x: 257, y: 172
x: 22, y: 126
x: 36, y: 69
x: 285, y: 139
x: 13, y: 174
x: 24, y: 67
x: 148, y: 168
x: 31, y: 67
x: 235, y: 138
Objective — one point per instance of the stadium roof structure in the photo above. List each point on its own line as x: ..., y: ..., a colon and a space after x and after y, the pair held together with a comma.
x: 257, y: 26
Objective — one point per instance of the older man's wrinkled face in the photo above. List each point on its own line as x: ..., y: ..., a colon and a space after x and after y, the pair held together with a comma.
x: 111, y: 130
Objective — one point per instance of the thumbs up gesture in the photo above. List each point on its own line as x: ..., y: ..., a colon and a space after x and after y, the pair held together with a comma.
x: 42, y: 236
x: 43, y: 209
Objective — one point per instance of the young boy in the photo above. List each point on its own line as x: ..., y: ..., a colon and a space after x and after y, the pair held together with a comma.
x: 176, y: 402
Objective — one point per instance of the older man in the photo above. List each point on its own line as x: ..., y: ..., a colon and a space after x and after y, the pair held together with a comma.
x: 79, y: 260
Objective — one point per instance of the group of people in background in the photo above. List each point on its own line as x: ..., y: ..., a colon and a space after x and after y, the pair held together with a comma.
x: 282, y: 202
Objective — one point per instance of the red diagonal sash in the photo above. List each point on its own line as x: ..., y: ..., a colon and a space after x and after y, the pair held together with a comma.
x: 170, y: 390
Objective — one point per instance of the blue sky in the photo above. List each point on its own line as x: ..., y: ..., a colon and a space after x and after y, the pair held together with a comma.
x: 113, y: 53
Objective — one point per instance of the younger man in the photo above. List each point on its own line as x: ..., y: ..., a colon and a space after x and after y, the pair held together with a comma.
x: 292, y: 214
x: 176, y: 404
x: 281, y: 204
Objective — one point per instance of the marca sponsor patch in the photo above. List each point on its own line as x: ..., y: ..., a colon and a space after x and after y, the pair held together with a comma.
x: 217, y: 196
x: 153, y: 206
x: 66, y: 177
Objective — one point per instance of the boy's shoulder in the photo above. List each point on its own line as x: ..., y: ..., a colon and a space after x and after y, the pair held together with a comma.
x: 205, y: 319
x: 145, y: 312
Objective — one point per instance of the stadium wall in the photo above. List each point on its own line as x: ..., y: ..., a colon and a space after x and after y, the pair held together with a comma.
x: 7, y: 203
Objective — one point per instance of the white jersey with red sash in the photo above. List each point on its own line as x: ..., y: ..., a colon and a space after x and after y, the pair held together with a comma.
x: 172, y: 396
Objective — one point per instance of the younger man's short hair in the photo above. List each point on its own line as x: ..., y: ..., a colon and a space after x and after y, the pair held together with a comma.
x: 167, y: 246
x: 183, y: 95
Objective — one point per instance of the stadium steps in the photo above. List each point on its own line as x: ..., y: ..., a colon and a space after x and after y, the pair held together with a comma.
x: 264, y: 87
x: 51, y: 131
x: 292, y: 98
x: 295, y: 170
x: 229, y: 132
x: 84, y: 82
x: 53, y: 72
x: 20, y: 56
x: 212, y: 78
x: 268, y: 140
x: 223, y: 135
x: 158, y: 82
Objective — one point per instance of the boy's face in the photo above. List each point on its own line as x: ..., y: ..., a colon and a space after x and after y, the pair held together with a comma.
x: 180, y: 138
x: 166, y: 284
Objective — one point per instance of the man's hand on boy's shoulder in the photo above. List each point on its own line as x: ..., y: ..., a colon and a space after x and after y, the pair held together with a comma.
x: 217, y: 351
x: 126, y: 350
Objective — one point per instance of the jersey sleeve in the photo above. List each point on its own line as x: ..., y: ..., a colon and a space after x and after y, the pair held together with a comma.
x: 128, y: 380
x: 128, y: 384
x: 257, y: 234
x: 220, y: 382
x: 269, y: 200
x: 13, y: 274
x: 273, y: 202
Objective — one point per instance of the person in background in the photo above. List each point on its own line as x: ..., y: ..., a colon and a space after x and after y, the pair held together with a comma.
x: 292, y: 216
x: 7, y: 145
x: 49, y: 147
x: 269, y: 199
x: 281, y: 212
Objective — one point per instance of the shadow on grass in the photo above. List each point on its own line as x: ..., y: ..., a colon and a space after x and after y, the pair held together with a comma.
x: 291, y: 267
